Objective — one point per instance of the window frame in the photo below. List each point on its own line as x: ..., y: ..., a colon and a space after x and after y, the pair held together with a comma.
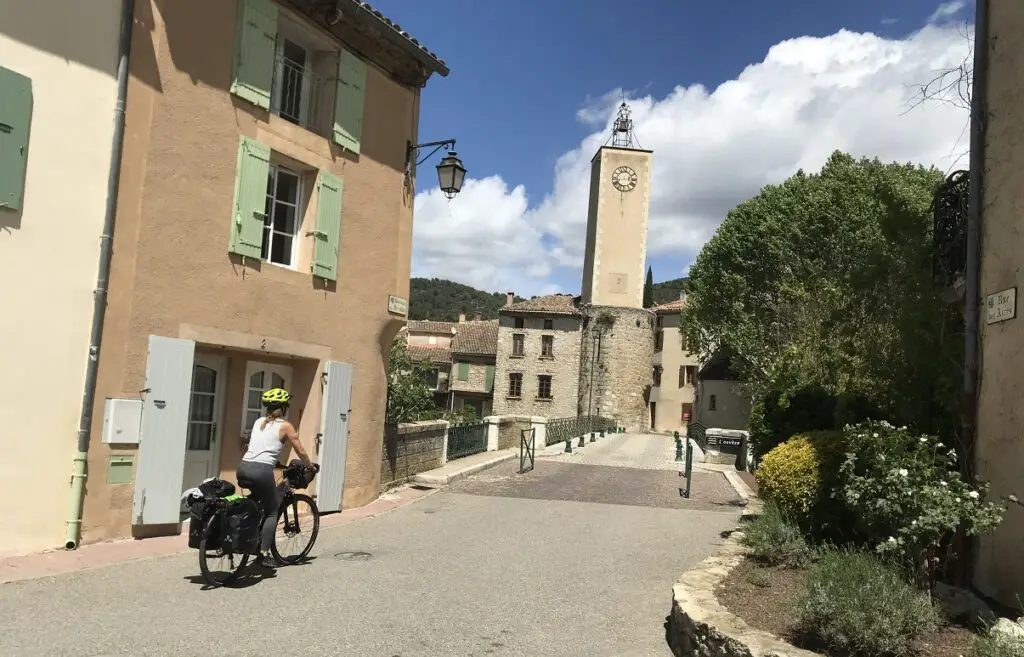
x: 270, y: 208
x: 541, y: 378
x: 515, y: 378
x: 547, y: 346
x: 549, y: 325
x: 520, y: 339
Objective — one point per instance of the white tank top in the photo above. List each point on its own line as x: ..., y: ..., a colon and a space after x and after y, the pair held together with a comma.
x: 265, y: 444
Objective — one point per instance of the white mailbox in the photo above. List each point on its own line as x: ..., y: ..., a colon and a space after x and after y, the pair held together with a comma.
x: 122, y: 421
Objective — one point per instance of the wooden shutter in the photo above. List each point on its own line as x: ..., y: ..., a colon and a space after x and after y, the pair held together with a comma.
x: 348, y: 101
x: 255, y: 48
x: 164, y: 431
x: 333, y: 451
x: 249, y: 210
x: 463, y: 371
x: 489, y: 384
x: 15, y: 119
x: 326, y: 247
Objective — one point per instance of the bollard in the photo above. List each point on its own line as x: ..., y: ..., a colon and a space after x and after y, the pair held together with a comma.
x: 583, y: 440
x: 593, y: 437
x: 568, y: 445
x: 689, y: 467
x: 602, y: 433
x: 679, y: 451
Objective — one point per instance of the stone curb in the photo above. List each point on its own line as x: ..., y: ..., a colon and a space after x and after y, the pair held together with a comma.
x: 700, y: 626
x: 444, y: 479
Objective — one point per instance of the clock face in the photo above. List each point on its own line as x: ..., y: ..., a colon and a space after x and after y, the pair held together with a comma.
x: 624, y: 179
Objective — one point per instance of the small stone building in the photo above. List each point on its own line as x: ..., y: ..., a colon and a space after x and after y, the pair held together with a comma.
x: 473, y: 358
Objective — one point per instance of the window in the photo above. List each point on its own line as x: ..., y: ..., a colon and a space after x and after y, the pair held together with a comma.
x: 660, y: 321
x: 518, y: 344
x: 282, y: 218
x: 430, y: 376
x: 657, y: 375
x: 549, y: 324
x: 687, y: 375
x: 684, y: 341
x: 659, y: 339
x: 712, y: 403
x: 518, y: 322
x: 547, y: 346
x: 515, y: 384
x: 295, y: 95
x: 544, y: 386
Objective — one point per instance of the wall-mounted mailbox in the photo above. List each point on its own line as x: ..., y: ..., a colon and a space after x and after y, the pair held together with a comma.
x: 122, y: 421
x: 119, y: 469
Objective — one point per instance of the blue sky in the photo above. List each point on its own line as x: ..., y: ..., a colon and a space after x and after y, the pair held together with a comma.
x: 523, y: 71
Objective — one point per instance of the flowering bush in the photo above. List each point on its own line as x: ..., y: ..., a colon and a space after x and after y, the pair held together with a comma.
x: 907, y: 494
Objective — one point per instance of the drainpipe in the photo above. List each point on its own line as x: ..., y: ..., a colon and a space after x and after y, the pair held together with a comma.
x: 79, y: 474
x: 972, y: 295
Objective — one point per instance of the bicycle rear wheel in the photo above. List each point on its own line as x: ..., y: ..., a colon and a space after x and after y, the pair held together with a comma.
x: 219, y: 566
x: 298, y: 523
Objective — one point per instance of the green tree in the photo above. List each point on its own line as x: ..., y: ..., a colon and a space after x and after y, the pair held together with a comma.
x: 409, y: 397
x: 649, y: 289
x: 825, y: 280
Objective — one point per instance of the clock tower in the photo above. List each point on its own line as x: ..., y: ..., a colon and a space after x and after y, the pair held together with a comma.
x: 620, y: 183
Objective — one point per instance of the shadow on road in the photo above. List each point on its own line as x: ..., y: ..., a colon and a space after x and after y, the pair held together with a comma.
x: 252, y: 575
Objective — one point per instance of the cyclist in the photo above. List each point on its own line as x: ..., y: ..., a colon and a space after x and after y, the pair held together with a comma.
x: 256, y: 469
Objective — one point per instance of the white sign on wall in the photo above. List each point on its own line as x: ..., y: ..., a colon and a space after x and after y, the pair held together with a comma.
x: 397, y: 306
x: 1001, y: 306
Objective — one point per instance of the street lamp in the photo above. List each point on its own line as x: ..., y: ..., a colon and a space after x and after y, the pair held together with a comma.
x: 450, y: 172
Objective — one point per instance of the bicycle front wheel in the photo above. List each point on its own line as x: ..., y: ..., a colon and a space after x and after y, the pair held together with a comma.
x: 298, y: 523
x: 219, y: 566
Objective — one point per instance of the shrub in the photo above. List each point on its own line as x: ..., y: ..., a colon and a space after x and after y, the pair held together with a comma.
x: 777, y: 417
x: 857, y: 604
x: 994, y: 644
x: 799, y: 475
x: 907, y: 495
x: 776, y: 541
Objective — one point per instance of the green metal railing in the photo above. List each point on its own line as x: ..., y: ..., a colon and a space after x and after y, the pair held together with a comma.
x: 466, y: 440
x: 566, y: 428
x: 697, y: 432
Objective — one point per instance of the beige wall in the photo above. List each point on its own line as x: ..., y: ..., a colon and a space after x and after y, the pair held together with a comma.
x: 49, y: 251
x: 430, y: 339
x: 172, y: 274
x: 1000, y: 448
x: 670, y: 395
x: 564, y: 367
x: 732, y: 407
x: 613, y: 269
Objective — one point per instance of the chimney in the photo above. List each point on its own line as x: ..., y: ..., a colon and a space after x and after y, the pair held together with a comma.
x: 682, y: 295
x: 462, y: 318
x: 509, y: 298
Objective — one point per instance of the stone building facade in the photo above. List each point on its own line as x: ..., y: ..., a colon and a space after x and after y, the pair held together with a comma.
x: 538, y: 357
x: 473, y: 359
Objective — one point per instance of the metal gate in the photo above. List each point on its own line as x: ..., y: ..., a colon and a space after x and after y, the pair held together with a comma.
x: 466, y: 439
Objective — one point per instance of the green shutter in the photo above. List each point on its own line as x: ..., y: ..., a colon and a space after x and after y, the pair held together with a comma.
x: 249, y: 210
x: 489, y: 385
x: 463, y: 371
x: 15, y: 119
x: 348, y: 101
x: 328, y: 226
x: 255, y: 47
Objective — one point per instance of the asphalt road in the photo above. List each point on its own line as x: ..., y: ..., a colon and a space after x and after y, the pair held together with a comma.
x: 486, y: 571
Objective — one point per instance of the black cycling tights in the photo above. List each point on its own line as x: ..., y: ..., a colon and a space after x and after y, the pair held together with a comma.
x: 259, y: 478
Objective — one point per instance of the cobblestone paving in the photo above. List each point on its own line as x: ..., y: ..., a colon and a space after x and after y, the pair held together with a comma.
x: 575, y: 482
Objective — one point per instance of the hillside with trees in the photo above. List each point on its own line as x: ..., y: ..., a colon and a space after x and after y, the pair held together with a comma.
x: 443, y: 300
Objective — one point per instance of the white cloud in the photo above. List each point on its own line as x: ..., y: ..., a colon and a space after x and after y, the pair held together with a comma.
x: 889, y: 21
x: 712, y: 149
x: 947, y: 10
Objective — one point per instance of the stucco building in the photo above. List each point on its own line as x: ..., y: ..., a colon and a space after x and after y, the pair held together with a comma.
x: 999, y: 449
x: 58, y: 102
x: 719, y: 398
x: 674, y: 373
x: 264, y: 225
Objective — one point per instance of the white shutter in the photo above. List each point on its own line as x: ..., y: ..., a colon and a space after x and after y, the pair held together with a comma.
x: 335, y: 409
x: 164, y: 431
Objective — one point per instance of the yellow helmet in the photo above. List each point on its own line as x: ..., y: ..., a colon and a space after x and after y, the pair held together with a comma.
x: 276, y: 397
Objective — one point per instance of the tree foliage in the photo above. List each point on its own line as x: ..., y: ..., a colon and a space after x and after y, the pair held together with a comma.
x: 443, y: 300
x: 825, y: 281
x: 649, y: 289
x: 409, y: 397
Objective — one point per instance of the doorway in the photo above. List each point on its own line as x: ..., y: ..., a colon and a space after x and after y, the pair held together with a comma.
x: 260, y: 377
x: 206, y: 408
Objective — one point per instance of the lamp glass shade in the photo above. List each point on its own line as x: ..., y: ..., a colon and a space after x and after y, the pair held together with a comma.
x: 451, y: 174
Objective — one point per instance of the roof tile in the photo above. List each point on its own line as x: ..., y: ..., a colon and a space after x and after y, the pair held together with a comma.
x: 429, y: 353
x: 476, y: 338
x: 398, y: 29
x: 552, y: 304
x: 429, y: 326
x: 670, y: 307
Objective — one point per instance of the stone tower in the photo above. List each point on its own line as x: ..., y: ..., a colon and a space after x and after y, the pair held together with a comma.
x: 617, y: 343
x: 620, y: 183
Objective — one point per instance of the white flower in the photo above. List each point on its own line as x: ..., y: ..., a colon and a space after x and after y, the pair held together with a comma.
x: 903, y: 472
x: 881, y: 457
x: 939, y: 445
x: 892, y: 539
x: 874, y: 435
x: 1013, y: 498
x: 942, y: 483
x: 913, y: 523
x: 903, y: 428
x: 923, y: 439
x: 973, y: 495
x: 952, y: 453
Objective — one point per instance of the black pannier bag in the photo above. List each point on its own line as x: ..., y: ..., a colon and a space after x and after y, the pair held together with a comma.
x: 199, y: 512
x: 212, y: 488
x: 300, y: 476
x: 243, y: 526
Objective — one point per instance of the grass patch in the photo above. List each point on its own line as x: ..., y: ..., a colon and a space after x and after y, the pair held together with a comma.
x: 776, y: 541
x: 857, y: 605
x: 993, y: 644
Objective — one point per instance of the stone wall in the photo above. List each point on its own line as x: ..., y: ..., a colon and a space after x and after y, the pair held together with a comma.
x: 509, y: 428
x: 410, y: 449
x: 563, y: 366
x: 476, y: 380
x: 616, y: 370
